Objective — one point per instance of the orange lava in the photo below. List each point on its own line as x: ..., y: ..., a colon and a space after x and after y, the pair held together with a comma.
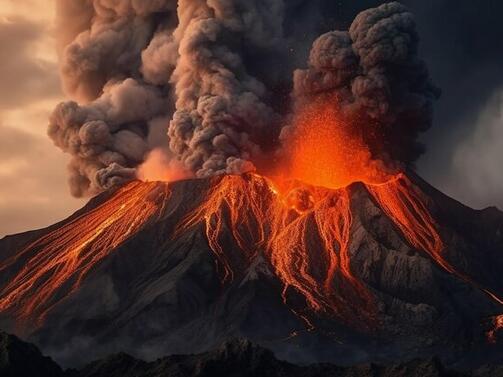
x: 497, y: 326
x: 239, y: 201
x: 249, y: 212
x: 402, y: 203
x: 309, y: 251
x: 66, y: 255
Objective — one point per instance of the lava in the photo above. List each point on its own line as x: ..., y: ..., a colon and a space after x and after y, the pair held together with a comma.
x: 66, y: 255
x: 260, y: 219
x: 309, y: 251
x: 402, y: 203
x: 238, y: 200
x: 304, y: 231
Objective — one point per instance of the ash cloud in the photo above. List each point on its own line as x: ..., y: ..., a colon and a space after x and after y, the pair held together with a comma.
x: 376, y: 79
x: 217, y: 76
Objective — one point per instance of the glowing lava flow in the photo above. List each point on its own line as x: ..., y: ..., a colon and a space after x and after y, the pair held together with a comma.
x: 401, y: 202
x: 62, y: 258
x: 307, y: 220
x: 239, y: 200
x: 310, y: 252
x: 306, y: 242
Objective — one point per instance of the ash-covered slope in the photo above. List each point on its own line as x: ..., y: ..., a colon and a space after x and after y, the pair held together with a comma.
x: 154, y: 269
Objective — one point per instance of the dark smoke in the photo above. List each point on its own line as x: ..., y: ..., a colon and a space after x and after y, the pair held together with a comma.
x: 376, y: 79
x: 221, y: 109
x: 217, y: 74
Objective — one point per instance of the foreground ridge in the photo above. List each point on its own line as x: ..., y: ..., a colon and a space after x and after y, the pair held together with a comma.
x: 234, y: 358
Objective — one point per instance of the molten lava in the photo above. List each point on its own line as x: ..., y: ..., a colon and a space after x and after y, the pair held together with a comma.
x: 402, y: 203
x: 259, y: 219
x: 66, y: 255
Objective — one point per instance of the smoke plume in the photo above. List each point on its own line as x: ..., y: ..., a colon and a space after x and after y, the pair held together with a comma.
x: 216, y: 75
x: 221, y: 109
x: 376, y: 80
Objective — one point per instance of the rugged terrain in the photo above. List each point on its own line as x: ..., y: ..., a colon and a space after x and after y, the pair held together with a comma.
x: 234, y: 358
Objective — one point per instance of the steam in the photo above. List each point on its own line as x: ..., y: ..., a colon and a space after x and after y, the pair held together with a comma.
x: 376, y: 79
x: 214, y: 73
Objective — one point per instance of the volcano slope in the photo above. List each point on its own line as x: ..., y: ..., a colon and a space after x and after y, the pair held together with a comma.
x: 364, y: 273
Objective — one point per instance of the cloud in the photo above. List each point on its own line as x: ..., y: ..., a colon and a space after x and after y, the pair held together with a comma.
x: 31, y: 194
x: 24, y: 77
x: 476, y: 175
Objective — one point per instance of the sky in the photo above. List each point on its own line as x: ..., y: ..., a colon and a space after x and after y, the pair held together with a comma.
x: 460, y: 40
x: 33, y: 189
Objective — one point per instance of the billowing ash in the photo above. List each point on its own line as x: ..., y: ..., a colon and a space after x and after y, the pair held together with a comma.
x: 221, y: 108
x: 214, y: 74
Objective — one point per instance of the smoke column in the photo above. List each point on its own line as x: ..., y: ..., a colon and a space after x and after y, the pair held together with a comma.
x: 221, y: 109
x: 216, y: 75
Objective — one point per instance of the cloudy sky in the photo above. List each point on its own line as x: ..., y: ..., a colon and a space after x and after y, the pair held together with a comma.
x: 33, y: 190
x: 461, y: 42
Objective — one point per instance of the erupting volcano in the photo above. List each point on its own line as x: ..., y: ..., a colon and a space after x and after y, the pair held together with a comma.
x: 308, y: 229
x: 303, y: 227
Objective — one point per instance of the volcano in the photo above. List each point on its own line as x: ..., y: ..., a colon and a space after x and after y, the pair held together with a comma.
x: 367, y: 272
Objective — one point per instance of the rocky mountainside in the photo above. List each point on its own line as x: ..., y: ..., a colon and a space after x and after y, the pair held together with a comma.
x: 153, y: 269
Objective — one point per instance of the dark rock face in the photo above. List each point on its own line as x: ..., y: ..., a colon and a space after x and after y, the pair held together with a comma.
x: 20, y: 359
x: 242, y: 359
x: 238, y: 358
x: 156, y: 294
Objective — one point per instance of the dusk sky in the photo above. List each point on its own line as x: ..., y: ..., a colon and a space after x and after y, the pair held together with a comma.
x: 33, y: 190
x: 465, y: 146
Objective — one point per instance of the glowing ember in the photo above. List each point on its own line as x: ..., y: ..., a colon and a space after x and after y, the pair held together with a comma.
x: 65, y: 256
x: 497, y: 326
